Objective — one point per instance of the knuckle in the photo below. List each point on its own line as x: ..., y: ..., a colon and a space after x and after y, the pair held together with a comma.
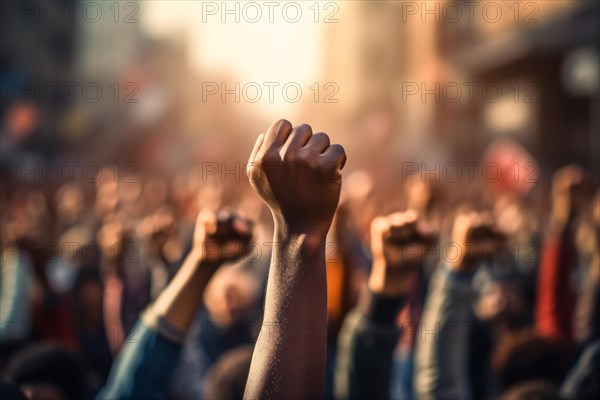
x: 283, y: 123
x: 303, y: 128
x: 322, y: 136
x: 327, y: 165
x: 253, y: 174
x: 307, y: 160
x: 311, y: 162
x: 270, y: 157
x: 290, y: 156
x: 339, y: 149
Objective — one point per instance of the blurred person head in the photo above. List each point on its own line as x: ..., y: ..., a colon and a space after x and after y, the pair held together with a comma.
x: 532, y: 390
x: 37, y: 206
x: 106, y: 198
x: 522, y: 355
x: 131, y: 203
x: 48, y: 372
x: 232, y: 296
x: 70, y: 202
x: 115, y: 243
x: 155, y: 192
x: 157, y: 228
x: 518, y: 171
x: 514, y: 219
x: 21, y: 120
x: 501, y: 299
x: 75, y: 246
x: 10, y: 391
x: 88, y: 293
x: 226, y: 379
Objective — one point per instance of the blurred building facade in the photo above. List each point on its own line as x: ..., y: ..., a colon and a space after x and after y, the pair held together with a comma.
x: 459, y: 74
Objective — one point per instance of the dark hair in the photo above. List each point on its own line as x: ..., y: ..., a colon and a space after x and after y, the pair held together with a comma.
x: 87, y: 273
x: 532, y: 390
x: 49, y: 364
x: 522, y: 355
x: 11, y: 391
x: 226, y: 379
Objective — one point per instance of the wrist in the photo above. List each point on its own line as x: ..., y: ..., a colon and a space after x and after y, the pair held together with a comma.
x: 380, y: 308
x: 457, y: 273
x: 293, y: 249
x: 464, y: 260
x: 388, y: 281
x: 199, y: 258
x: 288, y: 237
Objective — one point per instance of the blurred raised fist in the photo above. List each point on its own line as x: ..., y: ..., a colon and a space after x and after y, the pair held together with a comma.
x: 222, y: 236
x: 298, y: 174
x: 475, y: 238
x: 399, y: 243
x: 572, y: 190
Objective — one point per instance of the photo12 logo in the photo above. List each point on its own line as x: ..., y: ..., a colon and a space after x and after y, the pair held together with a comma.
x: 253, y: 12
x: 455, y: 12
x: 69, y: 92
x: 271, y: 92
x: 70, y: 11
x: 470, y: 92
x: 67, y: 172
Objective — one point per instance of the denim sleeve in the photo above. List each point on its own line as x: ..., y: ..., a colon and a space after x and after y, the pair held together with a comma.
x: 365, y: 349
x: 15, y: 319
x: 582, y: 382
x: 440, y: 362
x: 145, y: 365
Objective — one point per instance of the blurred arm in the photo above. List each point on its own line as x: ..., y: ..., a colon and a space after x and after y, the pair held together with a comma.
x: 555, y: 300
x: 366, y: 347
x: 365, y: 355
x: 15, y: 318
x: 148, y: 359
x: 441, y: 365
x: 149, y: 356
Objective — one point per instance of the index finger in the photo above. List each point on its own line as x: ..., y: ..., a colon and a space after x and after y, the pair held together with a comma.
x: 257, y: 145
x: 277, y: 134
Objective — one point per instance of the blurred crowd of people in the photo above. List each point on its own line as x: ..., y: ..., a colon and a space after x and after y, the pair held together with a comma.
x: 456, y: 294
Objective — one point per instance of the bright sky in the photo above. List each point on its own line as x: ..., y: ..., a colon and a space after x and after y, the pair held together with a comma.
x: 273, y: 49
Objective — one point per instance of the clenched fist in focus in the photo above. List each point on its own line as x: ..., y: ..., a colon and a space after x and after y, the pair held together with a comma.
x: 298, y: 174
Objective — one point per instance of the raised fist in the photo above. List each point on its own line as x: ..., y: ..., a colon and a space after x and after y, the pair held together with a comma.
x: 399, y: 243
x: 572, y: 189
x: 222, y: 236
x: 298, y: 174
x: 476, y: 239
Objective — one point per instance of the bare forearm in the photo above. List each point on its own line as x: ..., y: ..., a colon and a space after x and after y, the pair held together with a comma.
x: 179, y: 302
x: 290, y: 352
